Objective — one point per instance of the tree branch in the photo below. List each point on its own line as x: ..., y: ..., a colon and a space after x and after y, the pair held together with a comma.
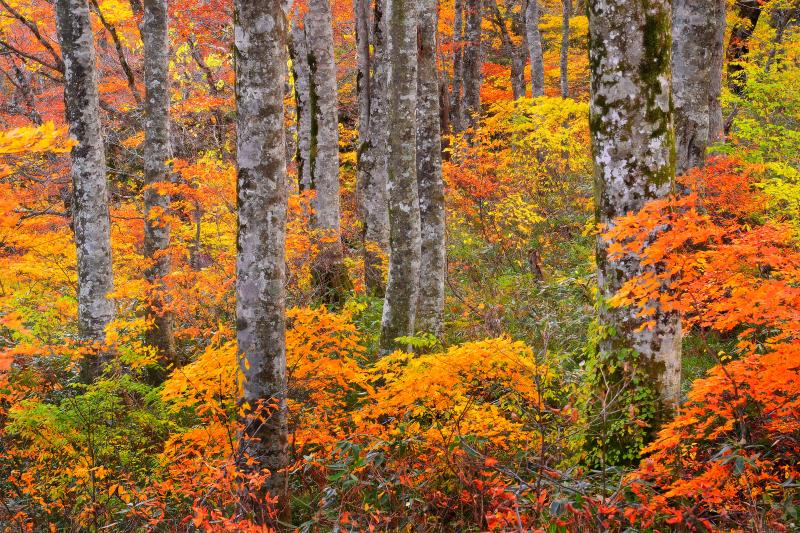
x: 35, y: 30
x: 120, y: 52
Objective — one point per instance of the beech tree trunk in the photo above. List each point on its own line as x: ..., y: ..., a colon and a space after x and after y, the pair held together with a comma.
x: 457, y: 107
x: 373, y: 147
x: 634, y: 161
x: 472, y: 63
x: 716, y: 122
x: 693, y: 36
x: 430, y: 304
x: 520, y: 51
x: 534, y: 39
x: 400, y: 303
x: 518, y: 72
x: 566, y: 13
x: 329, y: 273
x: 515, y: 53
x: 444, y: 116
x: 739, y: 45
x: 361, y: 13
x: 260, y: 55
x: 91, y: 220
x: 298, y: 49
x: 156, y: 153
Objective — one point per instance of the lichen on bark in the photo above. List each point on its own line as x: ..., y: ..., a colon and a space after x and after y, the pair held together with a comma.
x: 472, y: 59
x: 693, y: 32
x: 400, y: 303
x: 534, y: 40
x: 373, y: 145
x: 91, y: 222
x: 260, y: 61
x: 430, y: 304
x: 634, y: 161
x: 330, y: 277
x: 716, y: 125
x: 157, y: 150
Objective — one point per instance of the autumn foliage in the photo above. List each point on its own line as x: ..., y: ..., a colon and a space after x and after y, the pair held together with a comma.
x: 485, y: 428
x: 730, y: 456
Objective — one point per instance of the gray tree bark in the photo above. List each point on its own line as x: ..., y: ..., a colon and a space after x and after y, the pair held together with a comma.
x: 457, y: 107
x: 516, y: 53
x: 400, y: 303
x: 634, y: 161
x: 363, y: 75
x: 156, y: 153
x: 716, y: 122
x: 260, y: 55
x: 430, y: 304
x: 91, y: 220
x: 472, y: 63
x: 298, y: 48
x: 534, y: 39
x: 329, y: 273
x: 566, y: 13
x: 373, y: 146
x: 518, y: 56
x: 693, y: 33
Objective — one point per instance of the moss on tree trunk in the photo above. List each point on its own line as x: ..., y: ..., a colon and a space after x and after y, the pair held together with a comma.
x: 634, y: 161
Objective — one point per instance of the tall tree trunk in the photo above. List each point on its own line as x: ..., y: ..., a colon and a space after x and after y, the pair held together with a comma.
x: 400, y: 304
x: 534, y: 39
x: 520, y: 51
x: 739, y: 44
x: 363, y: 75
x: 514, y: 52
x: 260, y: 55
x: 430, y: 304
x: 444, y: 115
x: 716, y: 122
x: 457, y: 108
x: 693, y: 33
x: 472, y: 63
x: 156, y: 153
x: 91, y: 220
x: 566, y: 13
x: 634, y: 151
x: 373, y: 154
x: 329, y: 273
x: 298, y: 49
x: 518, y: 57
